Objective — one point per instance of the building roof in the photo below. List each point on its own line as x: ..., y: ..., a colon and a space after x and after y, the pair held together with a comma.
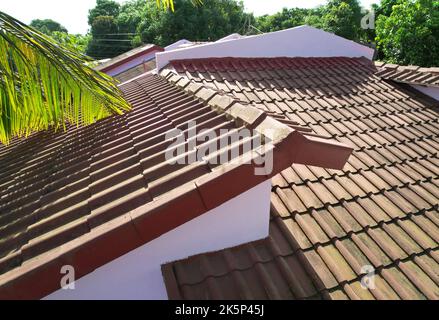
x: 267, y: 269
x: 409, y: 74
x: 327, y: 226
x: 135, y: 72
x: 89, y: 195
x: 126, y: 56
x: 301, y: 41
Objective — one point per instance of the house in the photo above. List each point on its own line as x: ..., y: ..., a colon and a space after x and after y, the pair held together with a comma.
x: 131, y: 63
x: 347, y: 208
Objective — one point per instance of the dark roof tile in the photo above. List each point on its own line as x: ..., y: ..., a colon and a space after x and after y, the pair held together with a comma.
x: 381, y: 209
x: 408, y: 74
x: 69, y: 196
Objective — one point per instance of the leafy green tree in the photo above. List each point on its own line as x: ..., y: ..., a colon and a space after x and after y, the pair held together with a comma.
x: 74, y: 42
x: 130, y: 16
x: 104, y: 42
x: 343, y: 17
x: 315, y: 18
x: 103, y: 8
x: 47, y: 26
x: 287, y: 18
x: 410, y: 35
x: 113, y: 27
x: 213, y: 20
x: 384, y: 7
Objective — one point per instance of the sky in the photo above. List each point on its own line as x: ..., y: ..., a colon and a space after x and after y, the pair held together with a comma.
x: 72, y: 14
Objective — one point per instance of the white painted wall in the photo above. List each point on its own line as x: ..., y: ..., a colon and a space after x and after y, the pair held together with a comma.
x: 303, y: 41
x: 137, y: 275
x: 177, y: 44
x: 429, y: 91
x: 233, y: 36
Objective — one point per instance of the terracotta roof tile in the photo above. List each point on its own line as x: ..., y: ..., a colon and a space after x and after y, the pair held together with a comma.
x: 380, y: 210
x: 408, y: 74
x: 251, y: 271
x: 68, y: 196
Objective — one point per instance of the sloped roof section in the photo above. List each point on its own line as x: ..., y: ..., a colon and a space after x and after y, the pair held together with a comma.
x: 267, y: 269
x: 126, y: 56
x: 380, y: 211
x: 409, y: 74
x: 135, y: 72
x: 89, y: 195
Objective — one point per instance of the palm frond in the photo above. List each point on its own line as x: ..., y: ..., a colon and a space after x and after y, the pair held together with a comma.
x: 45, y: 85
x: 169, y: 4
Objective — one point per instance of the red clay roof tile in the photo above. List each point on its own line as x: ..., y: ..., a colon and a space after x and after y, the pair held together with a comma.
x: 380, y: 210
x: 408, y: 74
x: 69, y: 196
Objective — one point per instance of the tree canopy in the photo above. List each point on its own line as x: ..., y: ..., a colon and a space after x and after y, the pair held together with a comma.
x: 103, y: 8
x: 56, y: 31
x: 410, y: 34
x: 117, y: 28
x: 47, y: 26
x: 113, y: 27
x: 213, y: 20
x: 343, y: 17
x: 406, y: 31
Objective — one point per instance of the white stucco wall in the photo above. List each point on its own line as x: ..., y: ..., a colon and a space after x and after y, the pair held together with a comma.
x: 429, y: 91
x: 303, y: 41
x: 137, y: 275
x: 177, y: 44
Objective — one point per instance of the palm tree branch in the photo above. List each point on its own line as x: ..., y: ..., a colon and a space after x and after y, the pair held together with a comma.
x: 44, y: 85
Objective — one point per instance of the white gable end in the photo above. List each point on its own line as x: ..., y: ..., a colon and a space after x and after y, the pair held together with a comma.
x: 303, y: 41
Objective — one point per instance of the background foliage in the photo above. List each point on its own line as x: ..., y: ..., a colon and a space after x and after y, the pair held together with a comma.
x: 60, y: 34
x: 406, y: 31
x: 410, y: 33
x: 212, y: 21
x: 47, y: 26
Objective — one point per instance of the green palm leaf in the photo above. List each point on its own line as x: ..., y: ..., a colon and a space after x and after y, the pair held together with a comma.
x: 45, y: 85
x: 169, y: 4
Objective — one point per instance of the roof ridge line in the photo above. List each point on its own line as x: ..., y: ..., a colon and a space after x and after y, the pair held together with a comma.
x: 260, y: 121
x: 245, y: 114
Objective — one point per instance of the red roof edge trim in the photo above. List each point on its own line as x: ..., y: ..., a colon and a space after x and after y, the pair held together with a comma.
x: 321, y: 152
x: 35, y: 279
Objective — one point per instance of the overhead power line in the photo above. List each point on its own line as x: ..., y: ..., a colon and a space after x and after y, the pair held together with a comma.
x: 118, y: 34
x: 111, y: 40
x: 113, y: 46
